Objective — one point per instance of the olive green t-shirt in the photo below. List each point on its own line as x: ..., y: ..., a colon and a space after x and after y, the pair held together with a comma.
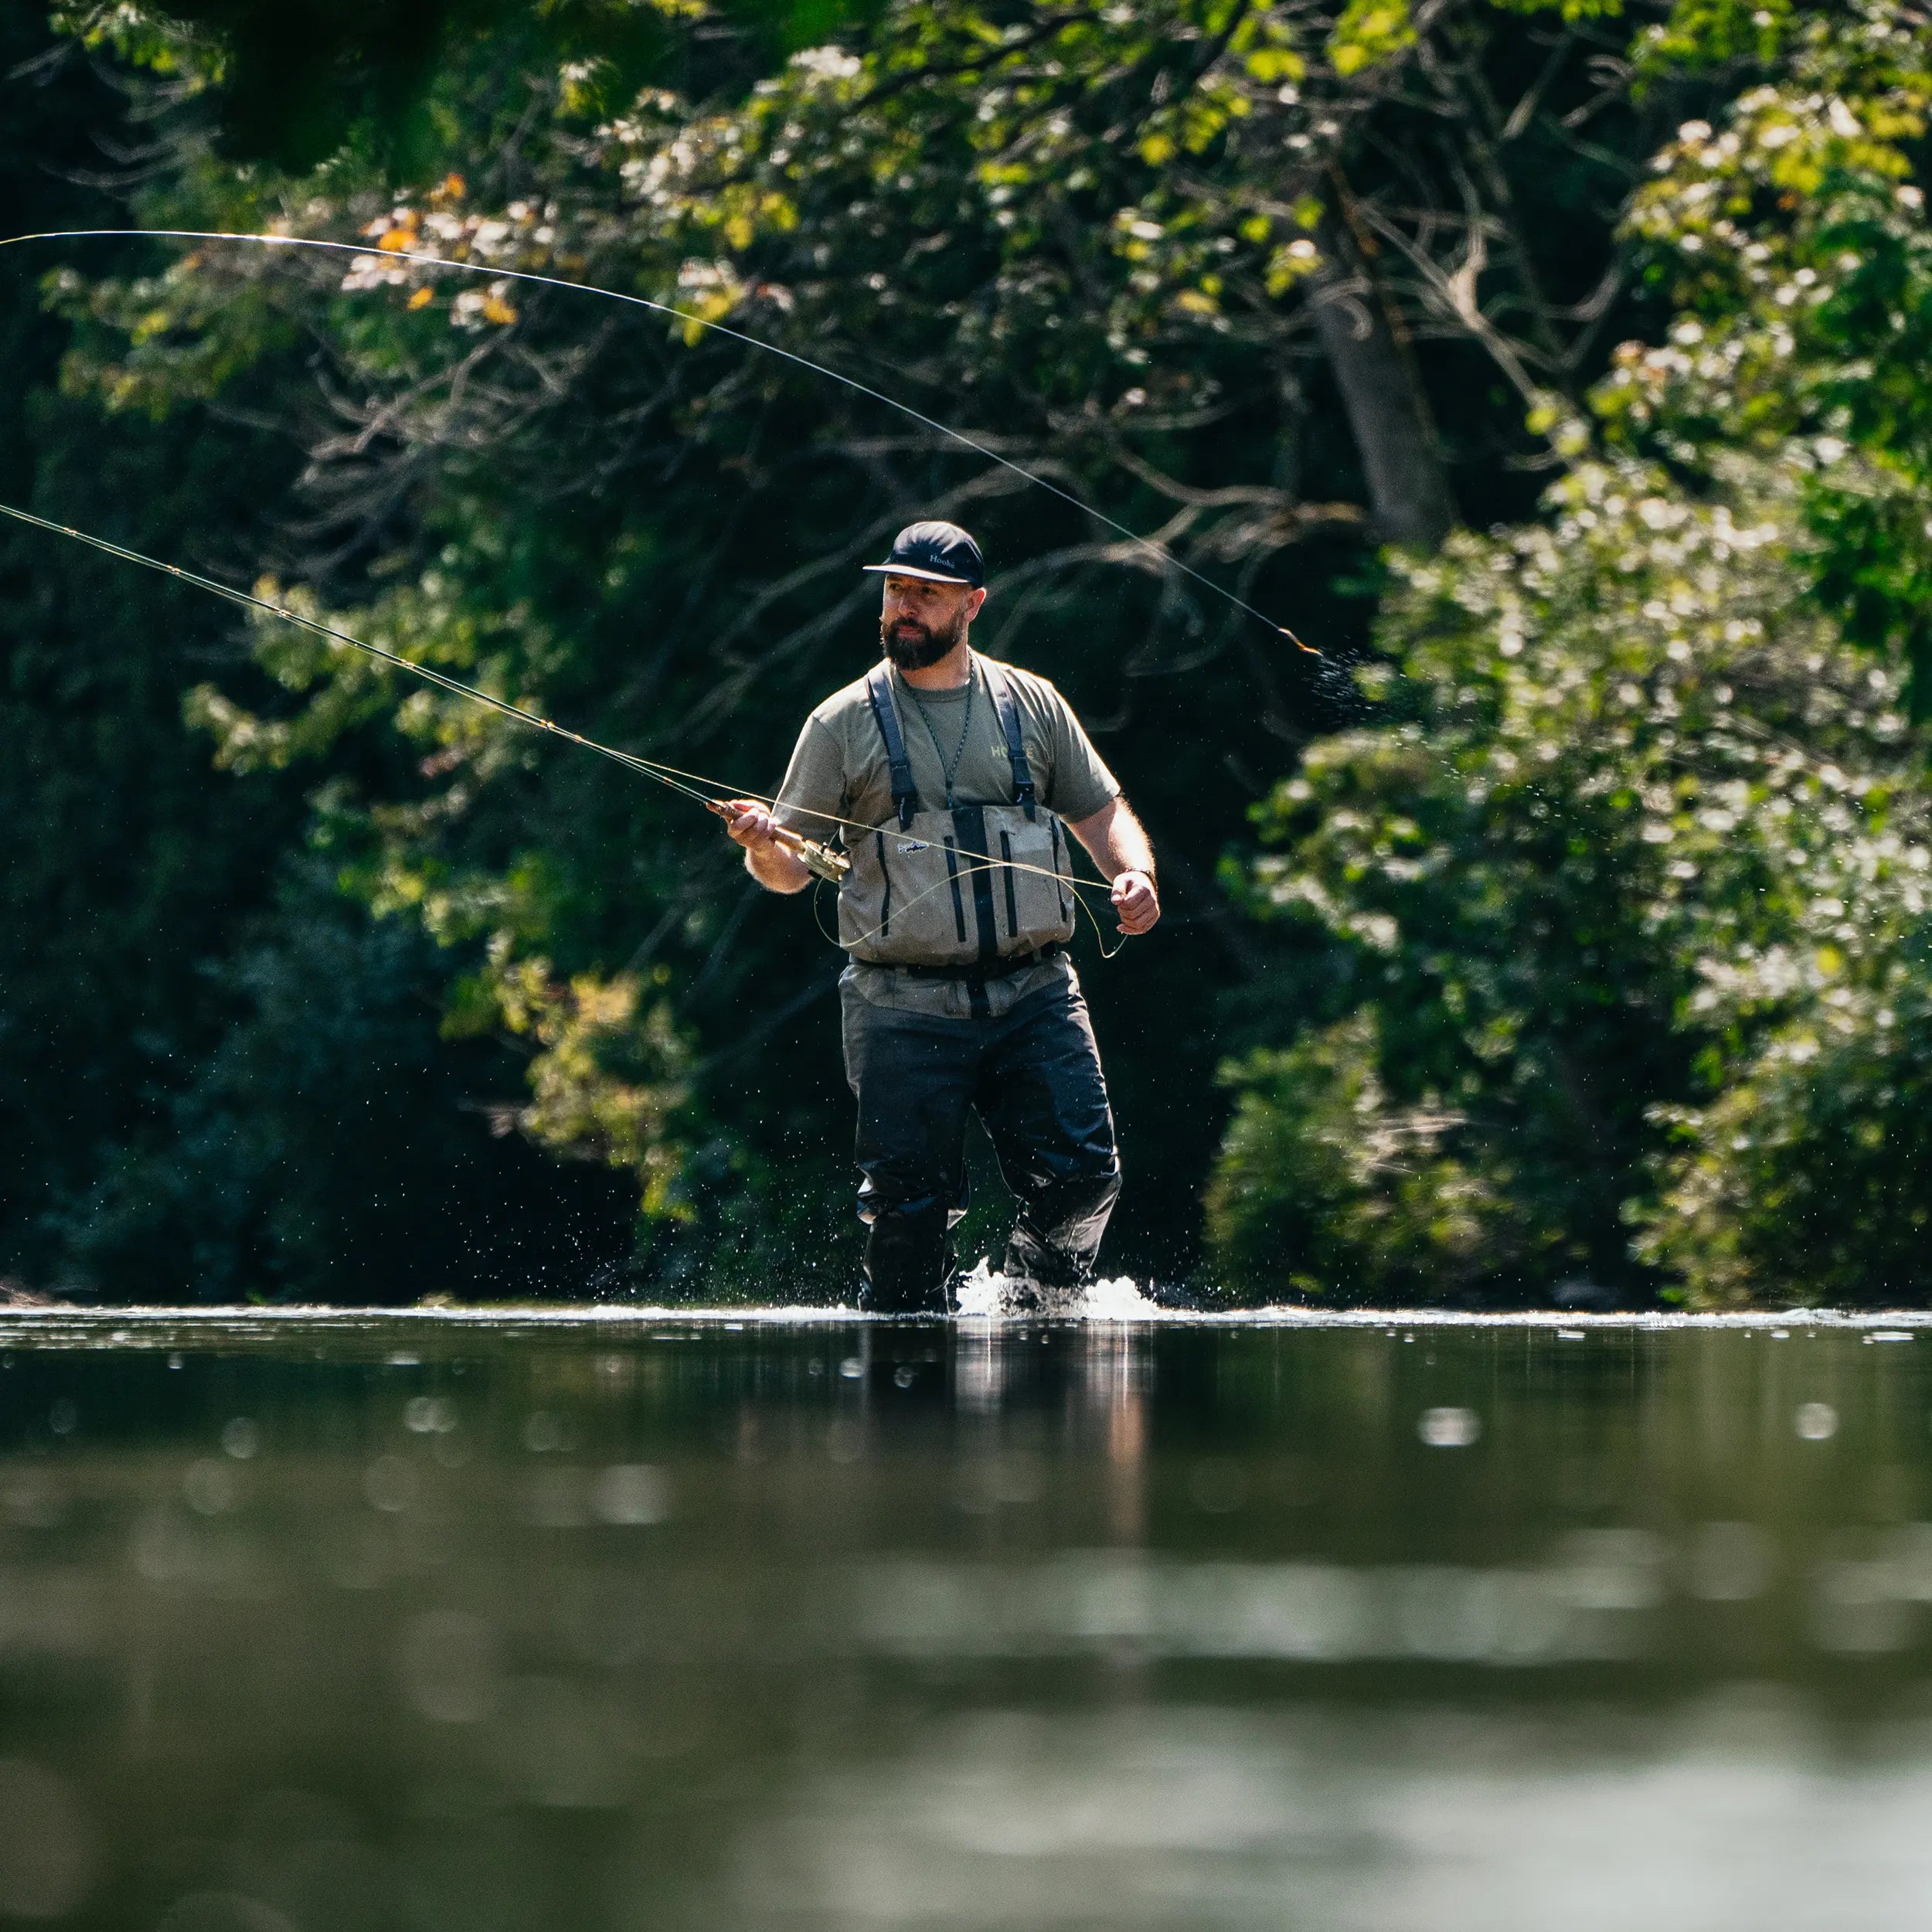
x: 839, y: 770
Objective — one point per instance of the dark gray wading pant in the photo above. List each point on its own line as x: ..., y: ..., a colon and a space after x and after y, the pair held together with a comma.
x: 1034, y: 1079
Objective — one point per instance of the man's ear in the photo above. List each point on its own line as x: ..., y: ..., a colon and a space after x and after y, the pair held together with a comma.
x: 974, y: 603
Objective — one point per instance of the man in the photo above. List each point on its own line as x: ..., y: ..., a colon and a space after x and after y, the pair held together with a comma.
x: 948, y: 777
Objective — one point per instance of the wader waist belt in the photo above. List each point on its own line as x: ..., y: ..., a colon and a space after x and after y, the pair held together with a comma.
x: 978, y: 975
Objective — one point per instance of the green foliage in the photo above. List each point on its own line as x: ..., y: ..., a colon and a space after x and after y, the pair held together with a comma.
x: 1632, y: 883
x: 193, y: 1037
x: 1805, y: 1179
x: 297, y: 83
x: 1325, y: 1186
x: 1520, y: 931
x: 1631, y: 772
x: 1796, y: 248
x: 1369, y: 31
x: 300, y: 1161
x: 566, y: 486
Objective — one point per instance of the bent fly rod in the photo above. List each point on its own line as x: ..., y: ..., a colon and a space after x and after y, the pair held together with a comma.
x: 424, y: 259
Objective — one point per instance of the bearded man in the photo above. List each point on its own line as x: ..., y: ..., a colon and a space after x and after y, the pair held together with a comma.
x: 953, y: 780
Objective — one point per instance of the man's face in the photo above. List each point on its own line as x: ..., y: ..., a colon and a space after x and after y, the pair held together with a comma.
x: 922, y: 620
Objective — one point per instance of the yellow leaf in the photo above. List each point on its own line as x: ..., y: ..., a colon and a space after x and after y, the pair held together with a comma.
x: 1277, y: 64
x: 422, y: 298
x: 1369, y: 31
x: 496, y: 310
x: 395, y: 239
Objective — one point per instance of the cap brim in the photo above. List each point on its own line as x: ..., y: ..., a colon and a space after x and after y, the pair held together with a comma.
x: 912, y: 570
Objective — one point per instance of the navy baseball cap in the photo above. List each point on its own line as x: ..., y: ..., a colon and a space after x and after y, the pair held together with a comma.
x: 941, y: 553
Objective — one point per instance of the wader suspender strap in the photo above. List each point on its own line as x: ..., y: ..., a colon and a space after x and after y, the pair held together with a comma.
x: 1002, y: 693
x: 905, y: 793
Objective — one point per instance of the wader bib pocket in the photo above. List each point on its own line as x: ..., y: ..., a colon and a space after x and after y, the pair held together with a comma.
x: 948, y: 890
x: 966, y: 887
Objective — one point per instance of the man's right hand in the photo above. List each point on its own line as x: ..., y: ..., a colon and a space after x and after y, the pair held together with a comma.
x: 768, y: 857
x: 750, y: 825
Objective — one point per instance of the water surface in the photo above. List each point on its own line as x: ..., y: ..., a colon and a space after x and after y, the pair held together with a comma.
x: 352, y: 1623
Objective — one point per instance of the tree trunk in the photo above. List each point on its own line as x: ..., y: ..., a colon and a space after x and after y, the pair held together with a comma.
x: 1409, y: 495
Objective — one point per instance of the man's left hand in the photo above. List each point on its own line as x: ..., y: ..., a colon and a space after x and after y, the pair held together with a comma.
x: 1137, y: 901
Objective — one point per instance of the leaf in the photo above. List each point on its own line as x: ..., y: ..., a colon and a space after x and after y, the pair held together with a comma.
x: 1368, y: 32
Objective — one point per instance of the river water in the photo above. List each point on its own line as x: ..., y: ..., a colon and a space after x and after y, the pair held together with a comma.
x: 349, y: 1622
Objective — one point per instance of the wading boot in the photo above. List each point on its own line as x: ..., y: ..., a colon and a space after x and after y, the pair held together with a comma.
x: 910, y: 1266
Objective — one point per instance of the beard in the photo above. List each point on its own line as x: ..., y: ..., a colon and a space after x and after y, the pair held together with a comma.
x: 912, y: 645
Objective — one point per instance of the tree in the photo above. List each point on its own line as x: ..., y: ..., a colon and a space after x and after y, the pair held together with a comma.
x: 1168, y: 259
x: 153, y: 905
x: 1629, y: 894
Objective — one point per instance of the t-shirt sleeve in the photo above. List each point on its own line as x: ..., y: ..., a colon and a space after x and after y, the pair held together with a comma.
x: 1081, y: 783
x: 812, y: 798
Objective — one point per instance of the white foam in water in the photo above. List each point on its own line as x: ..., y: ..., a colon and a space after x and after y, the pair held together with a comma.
x: 986, y: 1292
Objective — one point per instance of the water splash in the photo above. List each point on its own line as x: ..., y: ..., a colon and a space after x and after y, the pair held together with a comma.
x: 986, y: 1293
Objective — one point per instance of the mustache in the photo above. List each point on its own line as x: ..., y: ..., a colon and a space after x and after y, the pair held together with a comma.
x: 912, y: 644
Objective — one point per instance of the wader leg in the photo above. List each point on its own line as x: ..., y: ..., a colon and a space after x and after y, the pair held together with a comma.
x: 912, y: 1074
x: 1043, y: 1099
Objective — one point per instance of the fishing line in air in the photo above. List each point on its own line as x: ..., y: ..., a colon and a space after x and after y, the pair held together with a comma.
x: 687, y: 783
x: 1146, y: 544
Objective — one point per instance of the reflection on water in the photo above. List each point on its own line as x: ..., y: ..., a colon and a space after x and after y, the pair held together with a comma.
x: 330, y: 1626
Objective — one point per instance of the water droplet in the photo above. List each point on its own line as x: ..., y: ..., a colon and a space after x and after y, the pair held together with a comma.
x: 209, y: 1489
x: 1448, y: 1428
x: 1816, y: 1421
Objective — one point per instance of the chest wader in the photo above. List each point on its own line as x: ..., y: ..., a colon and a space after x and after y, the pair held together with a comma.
x: 939, y: 893
x: 969, y: 892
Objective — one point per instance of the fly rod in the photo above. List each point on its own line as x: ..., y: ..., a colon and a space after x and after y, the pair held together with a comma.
x: 820, y: 860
